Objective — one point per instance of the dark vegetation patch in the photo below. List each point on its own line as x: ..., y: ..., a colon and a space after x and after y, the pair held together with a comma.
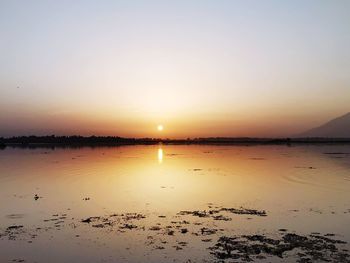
x: 253, y: 247
x: 122, y: 221
x: 212, y: 212
x: 13, y: 232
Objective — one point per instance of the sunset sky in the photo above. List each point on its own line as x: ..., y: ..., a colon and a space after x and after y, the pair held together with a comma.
x: 199, y: 68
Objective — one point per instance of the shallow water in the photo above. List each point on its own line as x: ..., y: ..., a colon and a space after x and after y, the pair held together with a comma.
x: 302, y: 189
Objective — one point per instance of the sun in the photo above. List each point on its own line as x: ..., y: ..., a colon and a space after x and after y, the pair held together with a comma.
x: 160, y: 127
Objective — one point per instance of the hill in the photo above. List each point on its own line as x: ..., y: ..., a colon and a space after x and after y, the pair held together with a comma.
x: 336, y: 128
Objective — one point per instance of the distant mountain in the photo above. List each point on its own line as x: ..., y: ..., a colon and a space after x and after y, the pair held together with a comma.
x: 336, y: 128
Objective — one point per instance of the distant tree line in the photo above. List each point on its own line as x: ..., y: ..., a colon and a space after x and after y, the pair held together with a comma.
x: 75, y: 140
x: 94, y: 141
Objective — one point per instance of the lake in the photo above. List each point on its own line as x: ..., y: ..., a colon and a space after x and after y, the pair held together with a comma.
x: 175, y: 203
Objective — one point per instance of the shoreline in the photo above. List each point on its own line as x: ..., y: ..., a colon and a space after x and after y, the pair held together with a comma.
x: 93, y: 141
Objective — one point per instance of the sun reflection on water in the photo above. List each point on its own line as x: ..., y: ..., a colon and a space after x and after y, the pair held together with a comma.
x: 160, y: 155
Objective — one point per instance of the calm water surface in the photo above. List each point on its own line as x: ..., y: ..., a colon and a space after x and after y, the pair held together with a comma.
x: 303, y: 189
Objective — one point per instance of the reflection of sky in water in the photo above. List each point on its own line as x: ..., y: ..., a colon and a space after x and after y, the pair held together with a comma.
x: 277, y: 179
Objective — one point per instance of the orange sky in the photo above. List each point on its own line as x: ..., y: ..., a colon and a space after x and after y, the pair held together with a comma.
x: 201, y: 68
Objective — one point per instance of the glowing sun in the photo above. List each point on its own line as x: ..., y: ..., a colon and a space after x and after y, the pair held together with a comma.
x: 160, y: 127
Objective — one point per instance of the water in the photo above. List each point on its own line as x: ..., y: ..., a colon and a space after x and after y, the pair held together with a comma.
x: 302, y: 189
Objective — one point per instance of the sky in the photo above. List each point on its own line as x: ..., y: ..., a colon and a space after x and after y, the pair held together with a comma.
x: 199, y: 68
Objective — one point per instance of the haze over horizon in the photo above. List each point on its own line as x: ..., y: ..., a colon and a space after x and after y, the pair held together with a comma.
x: 199, y: 68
